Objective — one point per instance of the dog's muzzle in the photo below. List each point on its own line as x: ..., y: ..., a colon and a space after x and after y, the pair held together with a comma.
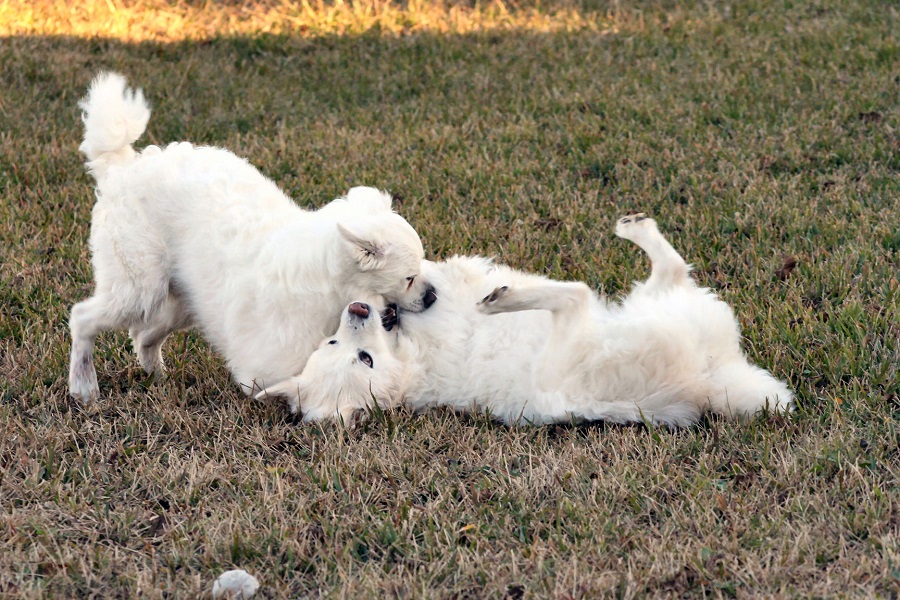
x: 360, y: 310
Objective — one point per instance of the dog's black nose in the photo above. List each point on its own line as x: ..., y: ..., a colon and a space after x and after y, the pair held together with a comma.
x: 429, y: 297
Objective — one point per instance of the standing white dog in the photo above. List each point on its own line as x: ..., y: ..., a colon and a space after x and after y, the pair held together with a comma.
x: 195, y: 236
x: 666, y: 353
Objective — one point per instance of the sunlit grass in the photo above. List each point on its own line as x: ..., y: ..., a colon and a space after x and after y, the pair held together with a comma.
x: 174, y: 21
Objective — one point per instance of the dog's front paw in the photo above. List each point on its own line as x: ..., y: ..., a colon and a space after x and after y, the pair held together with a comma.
x: 491, y: 303
x: 83, y: 380
x: 288, y: 392
x: 354, y: 418
x: 390, y: 317
x: 495, y: 295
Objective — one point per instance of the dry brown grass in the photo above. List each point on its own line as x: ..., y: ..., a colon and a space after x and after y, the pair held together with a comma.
x: 755, y: 132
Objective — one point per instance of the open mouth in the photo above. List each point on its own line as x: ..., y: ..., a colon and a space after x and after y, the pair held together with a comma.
x: 358, y: 313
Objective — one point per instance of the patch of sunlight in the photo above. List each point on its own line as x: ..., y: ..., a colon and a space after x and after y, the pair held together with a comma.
x: 159, y: 20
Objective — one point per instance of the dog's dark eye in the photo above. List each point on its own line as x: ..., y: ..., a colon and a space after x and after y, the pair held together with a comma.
x: 366, y: 359
x: 410, y: 281
x: 332, y: 342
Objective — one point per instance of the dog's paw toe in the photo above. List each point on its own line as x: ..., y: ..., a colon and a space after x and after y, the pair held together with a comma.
x: 354, y: 418
x: 85, y: 395
x: 495, y: 295
x: 494, y: 302
x: 83, y: 383
x: 635, y: 218
x: 390, y: 317
x: 158, y: 376
x: 629, y: 226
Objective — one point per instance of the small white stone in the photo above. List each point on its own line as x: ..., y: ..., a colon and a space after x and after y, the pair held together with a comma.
x: 237, y: 584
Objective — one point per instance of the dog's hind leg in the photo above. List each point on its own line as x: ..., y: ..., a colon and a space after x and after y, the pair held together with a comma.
x: 148, y: 336
x: 668, y: 268
x: 87, y: 320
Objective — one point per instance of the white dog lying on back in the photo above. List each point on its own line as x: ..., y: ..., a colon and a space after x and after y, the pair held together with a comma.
x: 195, y: 236
x: 541, y: 351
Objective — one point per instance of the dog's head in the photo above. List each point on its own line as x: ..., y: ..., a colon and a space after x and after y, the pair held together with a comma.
x: 357, y: 366
x: 386, y: 250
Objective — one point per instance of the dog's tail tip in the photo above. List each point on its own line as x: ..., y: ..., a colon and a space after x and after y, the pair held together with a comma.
x: 114, y: 116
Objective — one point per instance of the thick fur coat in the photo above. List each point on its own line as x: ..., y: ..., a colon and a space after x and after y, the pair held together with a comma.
x: 194, y: 236
x: 527, y: 349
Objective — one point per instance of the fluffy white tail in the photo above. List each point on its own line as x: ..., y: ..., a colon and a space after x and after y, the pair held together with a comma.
x: 115, y: 116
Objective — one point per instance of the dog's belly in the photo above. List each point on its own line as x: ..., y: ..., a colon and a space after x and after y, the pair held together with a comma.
x: 624, y: 363
x: 478, y: 362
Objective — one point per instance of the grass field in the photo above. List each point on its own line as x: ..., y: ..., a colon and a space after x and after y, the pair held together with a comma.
x: 763, y: 136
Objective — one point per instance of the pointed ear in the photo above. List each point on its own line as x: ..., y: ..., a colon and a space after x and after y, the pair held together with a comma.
x: 369, y: 254
x: 370, y: 198
x: 293, y: 390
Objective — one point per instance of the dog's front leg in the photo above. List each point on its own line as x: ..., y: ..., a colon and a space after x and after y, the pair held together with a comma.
x: 566, y: 300
x: 568, y: 303
x: 291, y: 390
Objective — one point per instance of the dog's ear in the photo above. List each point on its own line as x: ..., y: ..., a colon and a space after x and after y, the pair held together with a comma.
x: 368, y: 253
x: 293, y: 390
x: 370, y: 199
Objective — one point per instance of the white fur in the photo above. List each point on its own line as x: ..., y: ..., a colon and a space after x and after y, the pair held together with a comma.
x: 195, y: 236
x: 543, y: 351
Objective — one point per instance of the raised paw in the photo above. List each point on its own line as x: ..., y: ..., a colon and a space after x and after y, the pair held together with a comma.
x: 495, y: 295
x: 635, y: 218
x: 633, y: 226
x: 498, y: 301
